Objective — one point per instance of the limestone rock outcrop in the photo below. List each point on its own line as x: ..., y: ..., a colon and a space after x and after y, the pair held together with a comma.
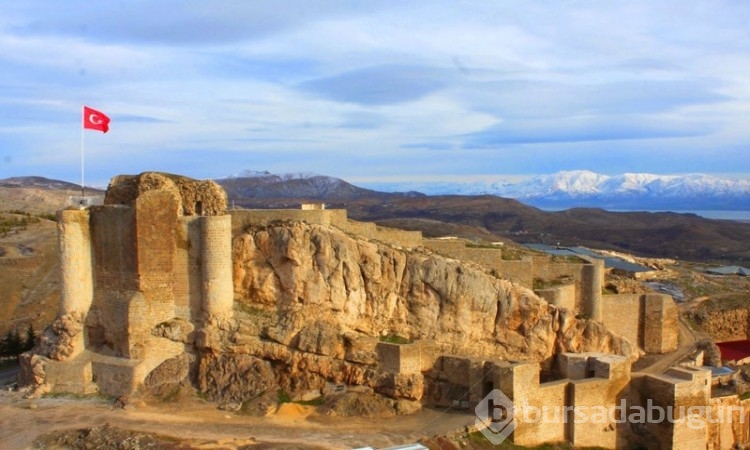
x: 723, y: 324
x: 326, y: 293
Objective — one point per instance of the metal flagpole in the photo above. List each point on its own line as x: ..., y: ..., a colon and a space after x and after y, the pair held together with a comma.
x: 82, y: 147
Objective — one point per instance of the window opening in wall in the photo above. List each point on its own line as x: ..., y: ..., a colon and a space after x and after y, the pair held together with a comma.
x: 489, y: 386
x: 199, y: 208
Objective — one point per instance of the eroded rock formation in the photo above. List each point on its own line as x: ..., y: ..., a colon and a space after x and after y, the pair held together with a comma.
x: 317, y: 300
x: 325, y: 285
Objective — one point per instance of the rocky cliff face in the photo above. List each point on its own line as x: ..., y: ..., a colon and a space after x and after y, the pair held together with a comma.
x: 316, y: 301
x: 723, y: 323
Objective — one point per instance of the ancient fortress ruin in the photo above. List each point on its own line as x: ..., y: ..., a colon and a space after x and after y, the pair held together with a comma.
x: 148, y: 282
x: 156, y: 255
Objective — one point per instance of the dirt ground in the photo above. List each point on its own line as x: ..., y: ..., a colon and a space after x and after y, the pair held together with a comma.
x: 196, y: 424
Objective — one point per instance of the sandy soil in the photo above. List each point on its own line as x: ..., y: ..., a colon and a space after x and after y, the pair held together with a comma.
x: 201, y: 425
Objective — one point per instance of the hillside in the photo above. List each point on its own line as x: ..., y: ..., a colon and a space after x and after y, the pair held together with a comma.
x: 29, y: 292
x: 29, y: 268
x: 488, y: 217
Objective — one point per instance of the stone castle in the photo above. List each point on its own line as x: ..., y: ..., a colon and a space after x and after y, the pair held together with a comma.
x: 157, y: 252
x: 148, y: 278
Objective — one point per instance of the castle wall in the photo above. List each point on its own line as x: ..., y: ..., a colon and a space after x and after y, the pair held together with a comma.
x: 216, y: 246
x: 115, y: 277
x: 549, y: 400
x: 616, y: 308
x: 652, y: 323
x: 242, y: 218
x: 695, y: 392
x: 660, y: 334
x: 543, y: 268
x: 591, y: 426
x: 113, y: 240
x: 457, y: 249
x: 403, y: 238
x: 188, y: 289
x: 730, y: 424
x: 454, y: 369
x: 520, y: 272
x: 366, y: 229
x: 594, y: 398
x: 71, y: 376
x: 562, y: 296
x: 156, y: 229
x: 574, y: 366
x: 451, y: 248
x: 675, y: 392
x: 539, y: 408
x: 135, y: 249
x: 517, y: 271
x: 399, y: 358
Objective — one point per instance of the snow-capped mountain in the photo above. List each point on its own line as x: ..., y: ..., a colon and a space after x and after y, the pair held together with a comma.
x: 271, y: 176
x: 585, y: 188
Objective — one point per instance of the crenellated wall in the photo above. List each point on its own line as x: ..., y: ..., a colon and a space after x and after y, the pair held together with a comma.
x: 550, y: 411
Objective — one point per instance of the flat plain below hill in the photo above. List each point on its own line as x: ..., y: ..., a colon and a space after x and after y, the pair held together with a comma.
x: 56, y: 422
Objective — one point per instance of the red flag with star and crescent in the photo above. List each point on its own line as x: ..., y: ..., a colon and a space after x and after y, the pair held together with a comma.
x: 95, y: 120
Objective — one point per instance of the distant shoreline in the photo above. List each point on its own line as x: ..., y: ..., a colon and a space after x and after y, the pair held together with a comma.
x: 739, y: 216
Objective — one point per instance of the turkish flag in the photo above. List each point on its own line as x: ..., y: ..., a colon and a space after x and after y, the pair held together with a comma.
x: 95, y: 120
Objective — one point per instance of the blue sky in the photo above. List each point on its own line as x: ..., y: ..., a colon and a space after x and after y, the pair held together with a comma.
x: 365, y: 91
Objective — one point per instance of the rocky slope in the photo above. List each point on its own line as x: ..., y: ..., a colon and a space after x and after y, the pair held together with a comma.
x: 724, y: 317
x: 314, y: 302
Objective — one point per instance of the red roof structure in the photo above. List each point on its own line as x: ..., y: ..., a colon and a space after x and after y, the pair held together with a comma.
x: 735, y: 351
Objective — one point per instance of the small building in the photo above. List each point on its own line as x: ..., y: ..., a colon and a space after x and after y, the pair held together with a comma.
x: 729, y: 270
x: 313, y: 206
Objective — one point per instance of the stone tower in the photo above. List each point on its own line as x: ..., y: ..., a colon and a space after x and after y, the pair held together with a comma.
x: 138, y: 276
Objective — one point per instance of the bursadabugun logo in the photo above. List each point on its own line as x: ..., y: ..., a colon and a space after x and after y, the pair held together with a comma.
x: 495, y: 417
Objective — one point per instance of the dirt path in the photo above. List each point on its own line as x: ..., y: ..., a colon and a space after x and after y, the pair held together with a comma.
x: 202, y: 426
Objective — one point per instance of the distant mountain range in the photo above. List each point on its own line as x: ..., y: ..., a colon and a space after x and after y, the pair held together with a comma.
x: 39, y: 183
x: 268, y: 186
x: 562, y: 190
x: 582, y: 188
x: 493, y: 218
x: 477, y: 217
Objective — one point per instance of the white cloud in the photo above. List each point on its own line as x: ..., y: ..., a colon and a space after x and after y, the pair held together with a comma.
x: 364, y: 88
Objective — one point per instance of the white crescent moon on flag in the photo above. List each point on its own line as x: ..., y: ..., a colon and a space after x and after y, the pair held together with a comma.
x: 95, y: 119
